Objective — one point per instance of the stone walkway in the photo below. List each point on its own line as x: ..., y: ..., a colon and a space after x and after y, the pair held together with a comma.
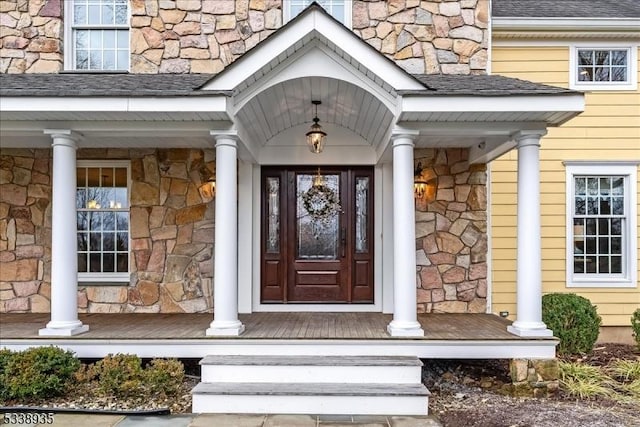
x: 194, y: 420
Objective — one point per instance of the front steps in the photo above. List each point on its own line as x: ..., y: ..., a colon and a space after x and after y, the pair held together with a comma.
x: 349, y: 385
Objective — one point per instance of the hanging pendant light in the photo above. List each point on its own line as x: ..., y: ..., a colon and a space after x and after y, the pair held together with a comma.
x: 316, y: 136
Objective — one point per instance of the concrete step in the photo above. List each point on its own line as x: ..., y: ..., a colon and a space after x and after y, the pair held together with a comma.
x: 311, y: 369
x: 311, y: 398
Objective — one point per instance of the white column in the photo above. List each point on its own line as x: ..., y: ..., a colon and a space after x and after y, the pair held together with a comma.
x: 404, y: 323
x: 64, y: 258
x: 529, y: 259
x: 225, y: 283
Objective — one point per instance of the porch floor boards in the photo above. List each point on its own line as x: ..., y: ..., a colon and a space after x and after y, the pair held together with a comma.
x: 294, y: 326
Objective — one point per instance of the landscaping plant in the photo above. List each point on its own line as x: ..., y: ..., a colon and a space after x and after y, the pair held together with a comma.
x: 573, y: 319
x: 584, y: 381
x: 119, y: 375
x: 635, y: 325
x: 164, y: 376
x: 37, y: 372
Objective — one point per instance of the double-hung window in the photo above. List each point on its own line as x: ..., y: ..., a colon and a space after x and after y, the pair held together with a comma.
x: 102, y: 205
x: 98, y: 34
x: 603, y: 67
x: 601, y: 224
x: 339, y: 9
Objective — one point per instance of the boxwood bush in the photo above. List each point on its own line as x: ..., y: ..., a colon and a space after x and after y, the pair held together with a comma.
x: 573, y: 319
x: 37, y: 372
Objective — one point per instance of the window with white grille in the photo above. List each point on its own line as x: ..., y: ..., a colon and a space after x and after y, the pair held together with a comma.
x: 601, y: 247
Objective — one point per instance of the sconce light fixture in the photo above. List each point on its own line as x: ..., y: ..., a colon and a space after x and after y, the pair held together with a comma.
x: 423, y: 188
x: 208, y: 189
x: 316, y: 136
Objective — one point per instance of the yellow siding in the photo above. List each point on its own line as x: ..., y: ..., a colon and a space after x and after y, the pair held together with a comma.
x: 609, y: 129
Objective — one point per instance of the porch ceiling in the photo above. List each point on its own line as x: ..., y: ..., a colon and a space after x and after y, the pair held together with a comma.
x: 288, y: 104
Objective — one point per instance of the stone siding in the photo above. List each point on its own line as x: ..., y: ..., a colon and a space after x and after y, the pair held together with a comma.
x: 31, y: 36
x: 427, y: 37
x: 451, y: 234
x: 193, y: 36
x: 172, y: 233
x: 171, y: 227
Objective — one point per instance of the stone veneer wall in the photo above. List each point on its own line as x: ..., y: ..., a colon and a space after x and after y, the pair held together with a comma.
x: 193, y: 36
x: 427, y: 37
x: 31, y: 36
x: 172, y: 233
x: 451, y: 234
x: 171, y: 225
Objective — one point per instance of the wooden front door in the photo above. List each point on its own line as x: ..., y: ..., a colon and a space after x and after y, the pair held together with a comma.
x: 308, y: 257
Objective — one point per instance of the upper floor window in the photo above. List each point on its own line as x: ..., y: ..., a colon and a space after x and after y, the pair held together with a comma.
x: 102, y: 203
x: 601, y: 216
x: 603, y: 68
x: 99, y: 35
x: 339, y: 9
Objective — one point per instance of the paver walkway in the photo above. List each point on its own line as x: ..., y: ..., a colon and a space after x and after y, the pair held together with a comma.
x: 215, y: 420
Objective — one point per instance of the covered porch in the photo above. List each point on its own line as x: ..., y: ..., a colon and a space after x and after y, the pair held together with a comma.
x: 447, y: 335
x: 256, y: 113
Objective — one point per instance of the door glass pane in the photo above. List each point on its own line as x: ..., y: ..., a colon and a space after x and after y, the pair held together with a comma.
x: 273, y: 215
x: 362, y: 214
x: 317, y: 238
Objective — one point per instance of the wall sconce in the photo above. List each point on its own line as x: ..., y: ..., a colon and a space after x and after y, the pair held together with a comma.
x: 424, y: 189
x: 208, y: 189
x: 316, y: 136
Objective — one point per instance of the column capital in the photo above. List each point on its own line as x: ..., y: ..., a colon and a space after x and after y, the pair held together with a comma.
x: 225, y: 137
x: 63, y: 137
x: 529, y: 137
x: 402, y: 136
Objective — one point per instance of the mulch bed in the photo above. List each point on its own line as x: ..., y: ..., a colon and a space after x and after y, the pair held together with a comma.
x: 475, y: 393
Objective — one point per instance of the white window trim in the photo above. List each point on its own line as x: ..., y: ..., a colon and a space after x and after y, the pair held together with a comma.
x: 68, y: 49
x: 109, y: 278
x: 632, y: 69
x: 348, y: 13
x: 629, y: 278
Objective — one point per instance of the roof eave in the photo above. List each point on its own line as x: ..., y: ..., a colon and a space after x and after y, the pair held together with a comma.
x: 622, y: 25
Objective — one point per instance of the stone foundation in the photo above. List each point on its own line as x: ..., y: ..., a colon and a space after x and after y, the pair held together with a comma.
x: 451, y: 234
x: 534, y: 377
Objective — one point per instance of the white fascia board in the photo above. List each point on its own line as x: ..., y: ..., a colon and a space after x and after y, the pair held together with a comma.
x: 115, y: 104
x: 493, y: 104
x: 334, y: 32
x: 565, y: 24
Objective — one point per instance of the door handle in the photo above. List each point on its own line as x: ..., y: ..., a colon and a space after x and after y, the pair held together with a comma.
x: 343, y: 240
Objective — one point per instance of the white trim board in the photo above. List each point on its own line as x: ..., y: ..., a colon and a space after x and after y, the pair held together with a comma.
x: 193, y: 348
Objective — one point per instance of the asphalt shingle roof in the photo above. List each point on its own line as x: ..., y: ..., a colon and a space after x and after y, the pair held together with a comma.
x: 566, y: 8
x: 162, y: 85
x: 483, y: 85
x: 102, y: 84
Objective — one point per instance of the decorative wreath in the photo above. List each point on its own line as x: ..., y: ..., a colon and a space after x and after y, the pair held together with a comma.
x: 321, y: 202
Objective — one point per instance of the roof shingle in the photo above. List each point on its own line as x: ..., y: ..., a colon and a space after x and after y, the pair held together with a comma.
x: 566, y: 8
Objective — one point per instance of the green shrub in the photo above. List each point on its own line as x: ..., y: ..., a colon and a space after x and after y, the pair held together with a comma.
x: 164, y: 376
x: 573, y: 319
x: 36, y: 372
x: 120, y: 375
x: 635, y: 325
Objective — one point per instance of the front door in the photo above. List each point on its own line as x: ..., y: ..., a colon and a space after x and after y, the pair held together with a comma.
x: 317, y: 235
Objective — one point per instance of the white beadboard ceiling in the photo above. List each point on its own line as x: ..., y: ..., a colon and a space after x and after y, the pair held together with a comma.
x: 288, y: 104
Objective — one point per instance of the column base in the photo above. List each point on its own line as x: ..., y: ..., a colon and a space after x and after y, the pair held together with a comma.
x: 225, y: 328
x: 529, y: 330
x: 405, y: 329
x: 66, y: 329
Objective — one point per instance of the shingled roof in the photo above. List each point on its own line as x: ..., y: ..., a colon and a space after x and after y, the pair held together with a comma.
x: 167, y: 85
x: 103, y: 84
x: 483, y: 85
x: 566, y: 8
